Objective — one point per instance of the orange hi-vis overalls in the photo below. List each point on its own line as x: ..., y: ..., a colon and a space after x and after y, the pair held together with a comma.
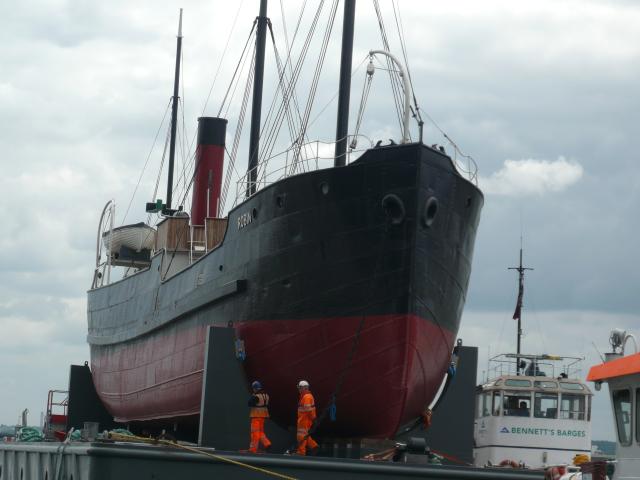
x: 306, y: 416
x: 259, y: 411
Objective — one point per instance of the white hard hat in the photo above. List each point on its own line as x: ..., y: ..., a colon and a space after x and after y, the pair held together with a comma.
x: 303, y: 383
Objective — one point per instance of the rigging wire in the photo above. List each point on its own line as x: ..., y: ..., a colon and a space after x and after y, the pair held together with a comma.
x: 206, y: 102
x: 316, y: 78
x: 295, y: 75
x: 238, y: 133
x: 337, y: 92
x: 273, y: 130
x: 368, y: 78
x: 224, y: 53
x: 181, y: 102
x: 181, y: 133
x: 190, y: 166
x: 146, y: 163
x: 239, y: 66
x: 295, y: 99
x: 403, y: 45
x: 396, y: 85
x: 215, y: 77
x: 284, y: 24
x: 293, y: 122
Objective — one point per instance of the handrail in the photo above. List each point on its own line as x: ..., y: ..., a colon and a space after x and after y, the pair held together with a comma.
x: 314, y: 158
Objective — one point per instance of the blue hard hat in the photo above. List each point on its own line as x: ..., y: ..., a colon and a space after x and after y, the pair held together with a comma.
x: 256, y: 385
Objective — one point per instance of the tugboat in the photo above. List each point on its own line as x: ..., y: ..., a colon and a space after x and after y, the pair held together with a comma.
x: 352, y: 276
x: 621, y: 371
x: 533, y: 411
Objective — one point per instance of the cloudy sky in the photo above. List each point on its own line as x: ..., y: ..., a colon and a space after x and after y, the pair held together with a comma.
x: 543, y: 94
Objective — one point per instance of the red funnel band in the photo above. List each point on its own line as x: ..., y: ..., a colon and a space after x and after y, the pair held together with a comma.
x: 207, y: 181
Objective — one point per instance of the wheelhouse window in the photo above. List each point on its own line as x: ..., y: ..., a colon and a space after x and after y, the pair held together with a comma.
x: 495, y: 407
x: 516, y: 382
x: 571, y: 386
x: 545, y: 405
x: 545, y: 384
x: 572, y: 406
x: 622, y: 411
x: 484, y: 404
x: 516, y: 404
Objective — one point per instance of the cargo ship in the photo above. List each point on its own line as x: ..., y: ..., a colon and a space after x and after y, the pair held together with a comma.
x: 352, y: 277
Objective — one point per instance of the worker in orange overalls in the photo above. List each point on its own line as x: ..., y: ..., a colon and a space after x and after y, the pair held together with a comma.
x: 259, y: 404
x: 306, y: 417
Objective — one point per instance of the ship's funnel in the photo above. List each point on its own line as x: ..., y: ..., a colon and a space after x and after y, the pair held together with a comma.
x: 207, y: 179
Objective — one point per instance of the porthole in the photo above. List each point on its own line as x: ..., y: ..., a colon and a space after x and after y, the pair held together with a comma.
x: 220, y: 267
x: 429, y: 211
x: 468, y: 202
x: 324, y: 188
x: 393, y: 207
x: 280, y: 201
x: 254, y: 213
x: 286, y: 283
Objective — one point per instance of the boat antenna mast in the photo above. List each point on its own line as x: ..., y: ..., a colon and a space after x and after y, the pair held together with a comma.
x: 346, y: 58
x: 517, y: 314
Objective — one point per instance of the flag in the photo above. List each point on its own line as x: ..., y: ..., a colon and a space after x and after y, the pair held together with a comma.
x: 517, y: 313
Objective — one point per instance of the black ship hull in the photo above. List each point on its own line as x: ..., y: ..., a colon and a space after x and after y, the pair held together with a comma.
x: 374, y: 257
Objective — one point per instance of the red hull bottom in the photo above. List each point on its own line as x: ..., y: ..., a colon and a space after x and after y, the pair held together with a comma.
x: 397, y: 366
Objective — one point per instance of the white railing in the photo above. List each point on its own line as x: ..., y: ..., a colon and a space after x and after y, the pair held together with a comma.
x: 549, y: 365
x: 311, y: 156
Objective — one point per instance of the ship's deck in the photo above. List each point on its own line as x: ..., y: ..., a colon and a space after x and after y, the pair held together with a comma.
x: 101, y: 460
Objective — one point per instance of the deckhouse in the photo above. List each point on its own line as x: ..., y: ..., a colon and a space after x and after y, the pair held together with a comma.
x: 532, y: 411
x: 622, y: 373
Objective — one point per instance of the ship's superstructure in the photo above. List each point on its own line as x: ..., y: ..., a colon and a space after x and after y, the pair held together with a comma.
x: 621, y: 371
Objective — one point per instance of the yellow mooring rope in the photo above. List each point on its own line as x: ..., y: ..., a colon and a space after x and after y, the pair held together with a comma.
x: 132, y: 438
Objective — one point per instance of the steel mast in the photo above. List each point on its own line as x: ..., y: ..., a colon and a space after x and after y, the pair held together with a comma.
x: 174, y: 117
x: 342, y: 126
x: 256, y: 106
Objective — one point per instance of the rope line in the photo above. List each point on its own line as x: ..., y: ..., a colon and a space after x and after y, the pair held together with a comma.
x: 273, y: 130
x: 133, y: 438
x: 146, y: 162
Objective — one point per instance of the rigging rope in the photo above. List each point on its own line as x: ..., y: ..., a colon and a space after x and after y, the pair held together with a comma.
x: 335, y: 95
x: 146, y: 162
x: 368, y: 77
x: 293, y: 123
x: 224, y: 53
x: 236, y: 140
x: 316, y: 78
x: 241, y: 63
x: 164, y: 156
x: 193, y: 138
x: 403, y: 45
x: 272, y: 132
x: 396, y: 85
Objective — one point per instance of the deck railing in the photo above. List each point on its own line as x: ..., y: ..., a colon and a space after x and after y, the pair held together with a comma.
x: 318, y: 155
x: 536, y: 365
